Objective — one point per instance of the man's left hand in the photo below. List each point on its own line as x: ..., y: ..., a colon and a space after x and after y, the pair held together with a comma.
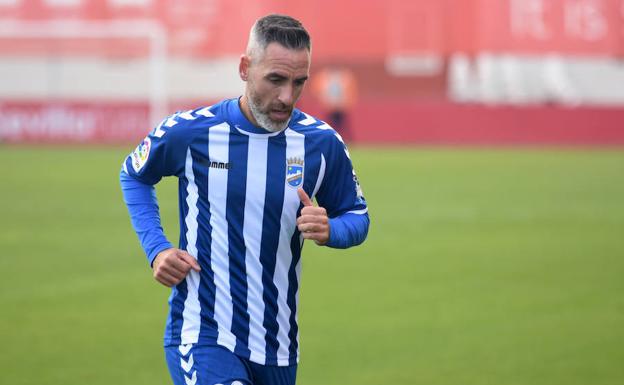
x: 313, y: 221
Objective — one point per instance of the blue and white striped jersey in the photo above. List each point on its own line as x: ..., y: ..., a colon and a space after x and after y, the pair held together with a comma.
x: 238, y: 209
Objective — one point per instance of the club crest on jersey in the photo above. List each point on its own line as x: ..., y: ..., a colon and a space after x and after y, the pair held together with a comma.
x: 294, y: 172
x: 141, y: 154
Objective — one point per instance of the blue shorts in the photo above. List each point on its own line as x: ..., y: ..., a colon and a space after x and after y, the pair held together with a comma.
x: 215, y: 365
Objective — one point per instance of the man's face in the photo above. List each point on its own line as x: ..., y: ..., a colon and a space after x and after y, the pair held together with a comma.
x: 275, y: 81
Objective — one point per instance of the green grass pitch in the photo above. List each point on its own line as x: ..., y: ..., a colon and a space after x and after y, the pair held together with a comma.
x: 497, y: 267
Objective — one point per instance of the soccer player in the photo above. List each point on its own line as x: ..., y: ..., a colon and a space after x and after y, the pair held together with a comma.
x: 248, y: 169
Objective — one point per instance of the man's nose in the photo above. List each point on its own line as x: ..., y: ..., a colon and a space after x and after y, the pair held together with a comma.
x: 287, y: 94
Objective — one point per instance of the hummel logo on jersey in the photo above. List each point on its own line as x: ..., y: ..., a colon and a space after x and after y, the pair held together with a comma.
x: 220, y: 165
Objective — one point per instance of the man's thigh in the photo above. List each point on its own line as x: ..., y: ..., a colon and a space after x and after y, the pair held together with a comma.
x: 206, y: 365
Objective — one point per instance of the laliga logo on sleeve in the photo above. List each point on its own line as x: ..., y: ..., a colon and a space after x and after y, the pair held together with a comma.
x: 294, y: 171
x: 140, y: 154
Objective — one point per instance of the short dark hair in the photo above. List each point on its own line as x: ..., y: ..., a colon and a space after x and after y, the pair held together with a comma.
x: 281, y: 29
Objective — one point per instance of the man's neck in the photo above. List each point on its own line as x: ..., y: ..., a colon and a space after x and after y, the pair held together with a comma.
x: 244, y: 106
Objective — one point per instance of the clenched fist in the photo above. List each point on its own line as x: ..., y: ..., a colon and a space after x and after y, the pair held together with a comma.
x: 171, y: 266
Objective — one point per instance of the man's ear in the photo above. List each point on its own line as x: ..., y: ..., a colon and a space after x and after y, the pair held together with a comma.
x: 243, y: 67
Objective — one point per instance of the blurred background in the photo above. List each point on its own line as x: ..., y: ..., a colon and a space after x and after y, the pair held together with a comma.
x: 487, y: 136
x: 465, y: 71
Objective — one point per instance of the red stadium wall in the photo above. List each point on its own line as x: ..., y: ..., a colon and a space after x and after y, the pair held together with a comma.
x: 443, y: 123
x: 72, y: 122
x: 372, y: 122
x: 453, y: 124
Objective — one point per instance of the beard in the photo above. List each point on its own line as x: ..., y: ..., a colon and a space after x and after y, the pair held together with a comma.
x: 263, y: 118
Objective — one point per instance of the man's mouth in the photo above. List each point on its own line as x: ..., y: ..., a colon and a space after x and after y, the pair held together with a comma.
x: 280, y: 115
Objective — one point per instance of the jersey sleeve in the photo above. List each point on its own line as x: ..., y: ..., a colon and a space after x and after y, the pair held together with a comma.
x: 341, y: 195
x: 161, y: 153
x: 142, y: 206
